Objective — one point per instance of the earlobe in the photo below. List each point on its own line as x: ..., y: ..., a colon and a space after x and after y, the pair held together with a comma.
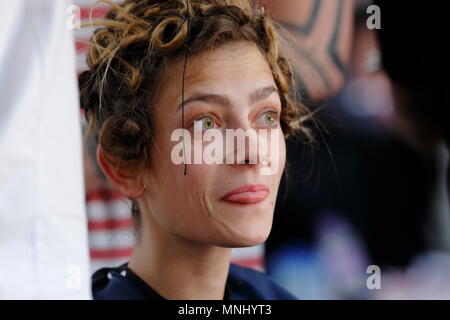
x: 126, y: 184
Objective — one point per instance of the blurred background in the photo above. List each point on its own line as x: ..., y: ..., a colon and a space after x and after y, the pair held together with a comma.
x: 368, y: 199
x: 373, y: 190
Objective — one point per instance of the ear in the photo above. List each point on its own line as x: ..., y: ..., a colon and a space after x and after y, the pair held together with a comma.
x: 128, y: 185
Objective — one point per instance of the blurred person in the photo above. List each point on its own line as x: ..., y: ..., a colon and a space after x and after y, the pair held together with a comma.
x: 43, y: 236
x: 319, y: 45
x: 419, y: 69
x: 415, y: 56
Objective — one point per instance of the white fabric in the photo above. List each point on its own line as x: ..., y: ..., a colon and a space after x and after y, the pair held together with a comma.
x: 43, y: 229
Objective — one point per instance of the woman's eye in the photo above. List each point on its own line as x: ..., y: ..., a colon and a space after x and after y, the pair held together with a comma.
x: 205, y: 123
x: 269, y: 118
x: 208, y: 123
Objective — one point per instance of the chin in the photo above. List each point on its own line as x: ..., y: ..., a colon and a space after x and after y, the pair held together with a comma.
x: 248, y: 237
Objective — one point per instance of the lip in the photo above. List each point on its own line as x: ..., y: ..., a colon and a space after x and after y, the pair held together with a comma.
x: 248, y: 194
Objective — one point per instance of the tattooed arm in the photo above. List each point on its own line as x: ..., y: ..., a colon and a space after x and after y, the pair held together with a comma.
x: 321, y: 31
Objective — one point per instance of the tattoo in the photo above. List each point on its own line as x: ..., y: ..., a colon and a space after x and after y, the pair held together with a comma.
x: 332, y: 46
x: 316, y: 65
x: 330, y: 50
x: 309, y: 25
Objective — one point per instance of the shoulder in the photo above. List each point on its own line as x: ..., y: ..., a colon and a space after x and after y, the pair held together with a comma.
x: 245, y: 283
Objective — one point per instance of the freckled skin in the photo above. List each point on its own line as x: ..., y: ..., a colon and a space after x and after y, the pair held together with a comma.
x: 190, y: 206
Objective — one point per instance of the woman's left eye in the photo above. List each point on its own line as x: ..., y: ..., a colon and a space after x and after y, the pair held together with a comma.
x: 208, y: 123
x: 269, y: 118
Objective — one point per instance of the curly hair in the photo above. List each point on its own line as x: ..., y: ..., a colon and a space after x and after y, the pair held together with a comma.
x: 127, y: 51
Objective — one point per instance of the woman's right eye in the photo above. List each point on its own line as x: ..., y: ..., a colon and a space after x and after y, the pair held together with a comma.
x: 205, y: 123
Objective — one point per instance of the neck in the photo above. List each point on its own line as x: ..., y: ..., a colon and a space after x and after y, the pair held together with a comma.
x: 180, y: 269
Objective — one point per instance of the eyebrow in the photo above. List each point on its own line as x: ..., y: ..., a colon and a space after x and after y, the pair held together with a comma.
x: 223, y: 100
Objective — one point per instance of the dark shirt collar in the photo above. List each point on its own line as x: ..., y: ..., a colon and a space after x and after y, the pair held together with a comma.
x: 148, y: 291
x: 242, y: 283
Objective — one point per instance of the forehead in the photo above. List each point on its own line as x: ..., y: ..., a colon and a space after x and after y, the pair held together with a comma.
x: 240, y: 60
x: 239, y: 65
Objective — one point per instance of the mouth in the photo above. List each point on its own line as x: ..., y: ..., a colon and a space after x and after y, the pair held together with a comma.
x: 248, y: 194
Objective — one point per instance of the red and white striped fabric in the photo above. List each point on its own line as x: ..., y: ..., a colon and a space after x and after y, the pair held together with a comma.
x: 111, y: 235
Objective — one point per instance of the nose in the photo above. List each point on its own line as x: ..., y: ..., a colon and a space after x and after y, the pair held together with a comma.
x: 243, y: 145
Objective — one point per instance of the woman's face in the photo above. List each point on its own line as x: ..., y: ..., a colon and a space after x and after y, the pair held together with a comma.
x: 228, y: 205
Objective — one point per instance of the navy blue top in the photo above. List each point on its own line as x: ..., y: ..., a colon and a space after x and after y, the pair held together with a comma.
x: 121, y: 283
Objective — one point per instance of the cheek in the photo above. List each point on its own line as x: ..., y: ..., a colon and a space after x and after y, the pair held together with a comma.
x: 181, y: 191
x: 199, y: 173
x: 199, y: 180
x: 190, y: 203
x: 179, y: 200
